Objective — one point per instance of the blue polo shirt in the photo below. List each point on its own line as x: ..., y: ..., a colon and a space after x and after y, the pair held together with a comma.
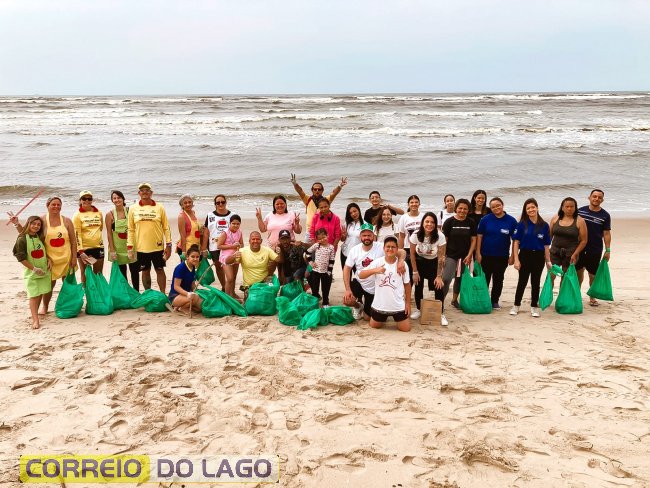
x: 531, y: 238
x: 186, y: 276
x: 496, y: 233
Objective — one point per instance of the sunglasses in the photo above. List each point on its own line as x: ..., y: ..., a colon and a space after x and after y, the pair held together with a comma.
x: 316, y: 189
x: 87, y: 199
x: 220, y: 202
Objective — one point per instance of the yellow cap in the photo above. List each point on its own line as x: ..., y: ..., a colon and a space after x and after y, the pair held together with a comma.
x: 144, y: 185
x: 85, y: 193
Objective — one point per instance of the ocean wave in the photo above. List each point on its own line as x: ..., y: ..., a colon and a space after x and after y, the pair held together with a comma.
x: 27, y: 191
x: 438, y: 132
x: 472, y: 114
x: 540, y: 189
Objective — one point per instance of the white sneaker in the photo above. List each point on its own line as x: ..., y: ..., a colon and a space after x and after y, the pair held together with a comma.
x: 514, y: 310
x: 534, y: 311
x: 416, y: 314
x: 356, y: 313
x: 443, y: 321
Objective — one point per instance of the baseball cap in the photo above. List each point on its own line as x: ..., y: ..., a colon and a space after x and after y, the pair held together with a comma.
x: 84, y: 193
x: 144, y: 185
x: 284, y: 233
x: 367, y: 226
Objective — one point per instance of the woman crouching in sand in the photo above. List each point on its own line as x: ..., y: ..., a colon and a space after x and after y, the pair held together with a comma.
x: 182, y: 295
x: 30, y: 251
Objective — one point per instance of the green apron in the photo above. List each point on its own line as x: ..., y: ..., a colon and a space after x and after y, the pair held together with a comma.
x: 121, y: 227
x: 37, y: 285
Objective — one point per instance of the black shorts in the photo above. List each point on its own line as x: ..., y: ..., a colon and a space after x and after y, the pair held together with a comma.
x: 215, y: 255
x: 561, y: 256
x: 146, y: 259
x: 95, y: 252
x: 362, y: 296
x: 588, y: 260
x: 378, y: 316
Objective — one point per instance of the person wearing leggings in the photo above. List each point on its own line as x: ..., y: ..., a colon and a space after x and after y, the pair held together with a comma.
x: 532, y: 239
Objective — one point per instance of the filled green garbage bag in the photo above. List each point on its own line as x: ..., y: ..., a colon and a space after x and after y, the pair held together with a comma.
x: 236, y: 308
x: 261, y: 299
x: 287, y: 312
x: 339, y: 315
x: 546, y: 296
x: 313, y: 319
x: 474, y: 293
x: 569, y: 300
x: 305, y: 302
x: 292, y: 290
x: 98, y: 294
x: 212, y: 306
x: 71, y: 298
x: 152, y: 301
x: 601, y: 288
x: 123, y: 294
x: 208, y: 278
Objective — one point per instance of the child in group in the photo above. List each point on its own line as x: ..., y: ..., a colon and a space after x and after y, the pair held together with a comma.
x: 321, y: 257
x: 182, y: 295
x: 30, y: 251
x: 229, y: 242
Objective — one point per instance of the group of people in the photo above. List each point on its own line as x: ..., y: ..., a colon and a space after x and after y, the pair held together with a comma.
x: 380, y: 258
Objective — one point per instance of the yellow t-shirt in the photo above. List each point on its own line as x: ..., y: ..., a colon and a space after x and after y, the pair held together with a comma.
x: 255, y: 264
x: 88, y: 227
x: 148, y: 228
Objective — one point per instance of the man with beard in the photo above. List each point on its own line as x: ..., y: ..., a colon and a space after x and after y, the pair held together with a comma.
x: 359, y: 293
x: 292, y: 266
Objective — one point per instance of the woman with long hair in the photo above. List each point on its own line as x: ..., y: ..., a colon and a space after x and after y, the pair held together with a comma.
x: 117, y: 227
x: 427, y: 247
x: 350, y: 231
x: 279, y: 219
x: 478, y: 206
x: 384, y: 225
x: 531, y: 250
x: 448, y: 209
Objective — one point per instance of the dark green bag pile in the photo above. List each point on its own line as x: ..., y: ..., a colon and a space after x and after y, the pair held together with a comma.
x: 304, y: 303
x: 287, y: 312
x: 546, y: 296
x: 601, y: 288
x: 569, y: 300
x: 98, y: 294
x: 474, y: 293
x: 208, y: 278
x: 313, y: 319
x: 71, y: 298
x: 261, y: 298
x: 152, y: 301
x: 291, y: 290
x: 339, y: 315
x: 122, y: 293
x: 219, y: 304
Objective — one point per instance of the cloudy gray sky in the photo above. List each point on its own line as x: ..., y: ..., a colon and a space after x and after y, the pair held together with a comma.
x: 328, y: 46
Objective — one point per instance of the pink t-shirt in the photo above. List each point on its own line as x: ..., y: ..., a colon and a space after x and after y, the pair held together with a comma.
x: 277, y: 222
x: 331, y: 223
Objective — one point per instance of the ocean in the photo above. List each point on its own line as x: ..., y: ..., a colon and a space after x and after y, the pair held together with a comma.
x: 544, y: 145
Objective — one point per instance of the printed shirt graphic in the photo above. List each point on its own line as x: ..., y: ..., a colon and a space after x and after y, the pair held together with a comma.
x: 427, y: 249
x: 216, y: 225
x: 389, y: 287
x: 88, y: 227
x: 361, y: 260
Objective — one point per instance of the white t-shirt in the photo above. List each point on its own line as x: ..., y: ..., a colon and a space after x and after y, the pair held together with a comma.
x: 361, y: 259
x: 216, y: 225
x: 444, y: 215
x: 389, y: 287
x: 385, y: 232
x: 353, y: 230
x: 426, y: 249
x: 407, y: 225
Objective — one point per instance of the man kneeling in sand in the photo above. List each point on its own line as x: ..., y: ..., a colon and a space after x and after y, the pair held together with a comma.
x: 392, y: 290
x: 257, y: 261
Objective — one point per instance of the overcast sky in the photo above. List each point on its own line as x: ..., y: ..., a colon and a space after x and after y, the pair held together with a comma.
x: 96, y: 47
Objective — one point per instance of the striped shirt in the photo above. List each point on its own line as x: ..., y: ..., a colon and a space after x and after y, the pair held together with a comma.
x: 597, y: 224
x: 321, y: 258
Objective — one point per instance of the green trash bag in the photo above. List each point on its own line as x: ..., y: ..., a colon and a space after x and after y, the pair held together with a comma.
x: 292, y: 290
x: 123, y: 294
x: 208, y: 278
x: 275, y: 283
x: 569, y: 300
x: 313, y: 319
x: 261, y: 299
x: 546, y: 296
x: 305, y: 302
x: 601, y: 288
x: 474, y: 293
x: 212, y: 306
x: 236, y: 308
x: 152, y: 301
x: 98, y: 294
x: 287, y: 312
x: 339, y: 315
x: 71, y: 298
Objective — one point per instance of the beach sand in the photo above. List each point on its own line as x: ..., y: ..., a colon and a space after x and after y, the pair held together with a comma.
x: 489, y: 401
